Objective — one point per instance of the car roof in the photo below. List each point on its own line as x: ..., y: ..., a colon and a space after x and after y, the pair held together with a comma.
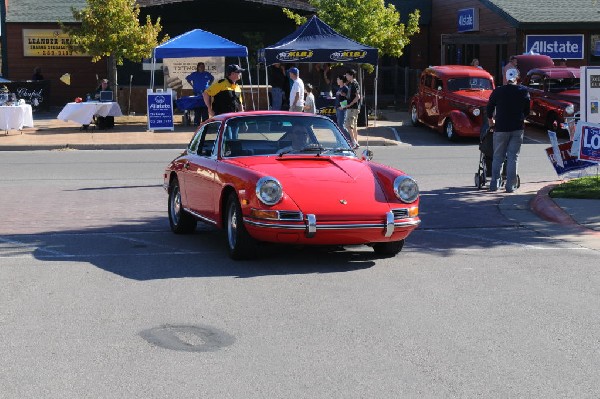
x: 527, y: 62
x: 449, y: 71
x: 557, y: 72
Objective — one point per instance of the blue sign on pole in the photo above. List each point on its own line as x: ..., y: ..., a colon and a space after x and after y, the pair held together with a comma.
x: 468, y: 20
x: 160, y: 110
x: 556, y: 46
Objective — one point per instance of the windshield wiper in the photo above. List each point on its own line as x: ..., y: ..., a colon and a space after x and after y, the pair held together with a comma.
x: 338, y: 149
x: 308, y: 148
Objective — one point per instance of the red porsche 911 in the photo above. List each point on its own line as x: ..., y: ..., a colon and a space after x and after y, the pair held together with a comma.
x: 286, y: 177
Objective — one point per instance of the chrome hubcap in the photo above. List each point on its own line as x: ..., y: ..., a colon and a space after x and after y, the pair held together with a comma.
x: 414, y: 113
x: 176, y: 205
x: 232, y: 228
x: 449, y: 129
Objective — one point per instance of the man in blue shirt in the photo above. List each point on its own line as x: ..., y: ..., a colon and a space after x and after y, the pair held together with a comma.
x: 199, y: 81
x: 511, y: 105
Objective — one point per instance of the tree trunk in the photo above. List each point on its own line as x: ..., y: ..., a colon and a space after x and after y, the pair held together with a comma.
x: 112, y: 72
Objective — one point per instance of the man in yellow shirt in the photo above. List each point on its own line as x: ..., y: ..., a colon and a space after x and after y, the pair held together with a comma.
x: 225, y: 95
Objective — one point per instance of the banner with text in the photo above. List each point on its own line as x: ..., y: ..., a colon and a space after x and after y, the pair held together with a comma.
x: 48, y: 43
x: 175, y: 70
x: 556, y: 46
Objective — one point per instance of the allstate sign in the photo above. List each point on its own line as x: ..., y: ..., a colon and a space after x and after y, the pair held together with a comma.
x: 468, y: 20
x: 556, y: 46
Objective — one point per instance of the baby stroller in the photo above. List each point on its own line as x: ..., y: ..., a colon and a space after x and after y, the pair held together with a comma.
x: 486, y: 154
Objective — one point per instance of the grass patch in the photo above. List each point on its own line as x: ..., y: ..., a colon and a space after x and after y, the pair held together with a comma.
x: 587, y: 187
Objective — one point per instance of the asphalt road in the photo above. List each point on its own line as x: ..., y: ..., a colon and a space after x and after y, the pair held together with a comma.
x: 100, y: 300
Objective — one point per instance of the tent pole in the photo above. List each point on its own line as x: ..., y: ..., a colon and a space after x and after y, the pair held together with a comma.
x: 267, y: 86
x: 250, y: 81
x: 376, y: 79
x: 153, y: 66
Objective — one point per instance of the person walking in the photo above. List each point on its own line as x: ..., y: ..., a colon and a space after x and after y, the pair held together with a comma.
x: 353, y: 98
x: 297, y: 92
x: 511, y: 104
x: 225, y: 95
x: 200, y: 80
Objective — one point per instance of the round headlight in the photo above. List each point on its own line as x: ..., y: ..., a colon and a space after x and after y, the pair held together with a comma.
x: 476, y: 111
x: 570, y: 109
x: 268, y: 190
x: 406, y: 189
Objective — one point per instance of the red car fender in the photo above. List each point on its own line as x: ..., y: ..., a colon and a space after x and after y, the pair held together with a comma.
x: 461, y: 122
x: 385, y: 176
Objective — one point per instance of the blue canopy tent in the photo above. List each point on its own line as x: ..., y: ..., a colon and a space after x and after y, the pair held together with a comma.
x: 315, y: 41
x: 200, y: 43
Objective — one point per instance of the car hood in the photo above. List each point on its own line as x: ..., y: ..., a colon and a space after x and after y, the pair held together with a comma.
x: 327, y: 186
x: 475, y: 97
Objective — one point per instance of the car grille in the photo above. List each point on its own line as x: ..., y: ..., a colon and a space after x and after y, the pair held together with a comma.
x: 400, y: 213
x: 290, y: 215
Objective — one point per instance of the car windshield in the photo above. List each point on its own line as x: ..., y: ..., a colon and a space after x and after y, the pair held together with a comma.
x: 469, y: 83
x: 556, y: 85
x: 283, y: 134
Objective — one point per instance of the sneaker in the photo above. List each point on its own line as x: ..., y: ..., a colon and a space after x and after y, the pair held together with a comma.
x: 355, y: 145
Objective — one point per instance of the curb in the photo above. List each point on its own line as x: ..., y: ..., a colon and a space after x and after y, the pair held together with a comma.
x: 544, y: 207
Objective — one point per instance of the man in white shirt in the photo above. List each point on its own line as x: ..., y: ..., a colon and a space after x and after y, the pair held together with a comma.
x: 297, y: 92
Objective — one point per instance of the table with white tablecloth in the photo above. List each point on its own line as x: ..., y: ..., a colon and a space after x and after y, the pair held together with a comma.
x: 15, y: 117
x: 84, y: 112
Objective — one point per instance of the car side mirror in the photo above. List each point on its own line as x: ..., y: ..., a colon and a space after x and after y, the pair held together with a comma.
x: 439, y: 88
x: 367, y: 155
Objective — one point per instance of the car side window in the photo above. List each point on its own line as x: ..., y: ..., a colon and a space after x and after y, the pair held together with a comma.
x: 193, y: 146
x: 428, y: 80
x: 206, y: 147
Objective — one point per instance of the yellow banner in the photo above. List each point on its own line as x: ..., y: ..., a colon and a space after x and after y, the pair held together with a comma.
x: 47, y: 43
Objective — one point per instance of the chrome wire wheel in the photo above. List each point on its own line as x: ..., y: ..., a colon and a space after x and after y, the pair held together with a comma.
x: 450, y: 133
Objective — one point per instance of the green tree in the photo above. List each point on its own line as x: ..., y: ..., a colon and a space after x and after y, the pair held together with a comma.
x: 369, y: 22
x: 111, y: 28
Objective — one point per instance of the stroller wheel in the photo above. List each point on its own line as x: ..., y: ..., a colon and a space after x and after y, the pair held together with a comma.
x: 479, y: 180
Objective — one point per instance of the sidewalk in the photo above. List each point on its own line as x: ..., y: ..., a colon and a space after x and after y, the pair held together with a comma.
x: 130, y: 132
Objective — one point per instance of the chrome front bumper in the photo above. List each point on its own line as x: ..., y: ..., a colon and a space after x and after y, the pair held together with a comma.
x: 311, y: 227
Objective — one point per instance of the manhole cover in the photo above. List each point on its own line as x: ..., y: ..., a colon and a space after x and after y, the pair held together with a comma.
x: 188, y: 338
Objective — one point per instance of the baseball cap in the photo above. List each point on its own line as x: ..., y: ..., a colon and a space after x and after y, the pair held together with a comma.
x: 512, y: 75
x: 233, y: 68
x: 295, y: 71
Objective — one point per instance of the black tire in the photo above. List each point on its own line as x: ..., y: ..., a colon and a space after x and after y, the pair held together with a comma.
x: 240, y: 244
x: 479, y: 180
x: 390, y: 248
x: 414, y: 115
x: 449, y: 131
x: 181, y: 222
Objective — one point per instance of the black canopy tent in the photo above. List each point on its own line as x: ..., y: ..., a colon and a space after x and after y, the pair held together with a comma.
x: 315, y: 41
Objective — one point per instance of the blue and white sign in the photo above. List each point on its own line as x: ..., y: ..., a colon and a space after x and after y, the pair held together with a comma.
x: 556, y: 46
x: 589, y: 149
x: 160, y: 110
x: 468, y: 20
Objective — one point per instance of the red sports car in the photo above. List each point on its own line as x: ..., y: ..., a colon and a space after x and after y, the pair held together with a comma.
x: 285, y: 177
x: 450, y: 99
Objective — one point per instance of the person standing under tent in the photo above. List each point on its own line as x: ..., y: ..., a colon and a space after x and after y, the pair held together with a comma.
x: 309, y: 101
x: 200, y: 80
x: 352, y: 108
x: 278, y: 81
x: 225, y: 95
x: 340, y: 102
x: 297, y: 92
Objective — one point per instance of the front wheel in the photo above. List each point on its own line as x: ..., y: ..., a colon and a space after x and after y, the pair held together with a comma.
x: 239, y: 243
x: 450, y: 132
x: 180, y: 221
x: 414, y: 115
x: 391, y: 248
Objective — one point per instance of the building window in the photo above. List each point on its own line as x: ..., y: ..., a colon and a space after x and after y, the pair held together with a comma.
x: 595, y: 48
